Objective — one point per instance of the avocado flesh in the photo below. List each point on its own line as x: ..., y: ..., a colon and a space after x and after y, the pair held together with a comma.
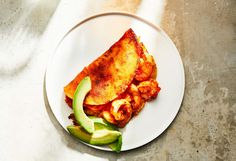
x: 100, y: 123
x: 81, y: 91
x: 98, y: 137
x: 99, y: 120
x: 116, y: 146
x: 92, y: 130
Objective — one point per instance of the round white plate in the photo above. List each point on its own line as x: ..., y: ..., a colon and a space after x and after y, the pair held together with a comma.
x: 91, y: 38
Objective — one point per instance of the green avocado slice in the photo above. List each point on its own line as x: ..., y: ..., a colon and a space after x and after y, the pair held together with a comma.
x: 100, y: 123
x: 116, y: 146
x: 98, y: 137
x: 81, y: 91
x: 99, y: 120
x: 92, y: 130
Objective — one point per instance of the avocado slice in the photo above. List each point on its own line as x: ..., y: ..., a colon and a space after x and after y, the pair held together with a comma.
x: 116, y: 146
x: 98, y: 137
x: 81, y: 91
x: 92, y: 130
x: 99, y: 120
x: 100, y: 123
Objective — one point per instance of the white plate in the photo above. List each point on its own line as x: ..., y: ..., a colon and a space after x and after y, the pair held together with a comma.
x: 92, y: 37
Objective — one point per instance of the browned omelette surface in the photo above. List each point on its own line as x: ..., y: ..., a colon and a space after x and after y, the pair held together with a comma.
x: 111, y: 73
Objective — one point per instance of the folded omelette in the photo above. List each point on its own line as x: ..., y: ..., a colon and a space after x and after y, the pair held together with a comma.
x: 123, y: 79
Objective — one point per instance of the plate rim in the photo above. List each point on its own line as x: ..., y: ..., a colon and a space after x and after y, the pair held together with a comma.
x: 119, y: 13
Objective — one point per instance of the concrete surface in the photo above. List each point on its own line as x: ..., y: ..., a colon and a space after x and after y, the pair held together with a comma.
x: 204, y: 32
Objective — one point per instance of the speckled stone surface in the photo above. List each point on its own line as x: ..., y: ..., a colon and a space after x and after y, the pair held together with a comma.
x: 204, y: 32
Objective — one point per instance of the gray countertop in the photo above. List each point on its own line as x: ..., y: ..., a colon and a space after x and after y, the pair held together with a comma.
x: 205, y: 128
